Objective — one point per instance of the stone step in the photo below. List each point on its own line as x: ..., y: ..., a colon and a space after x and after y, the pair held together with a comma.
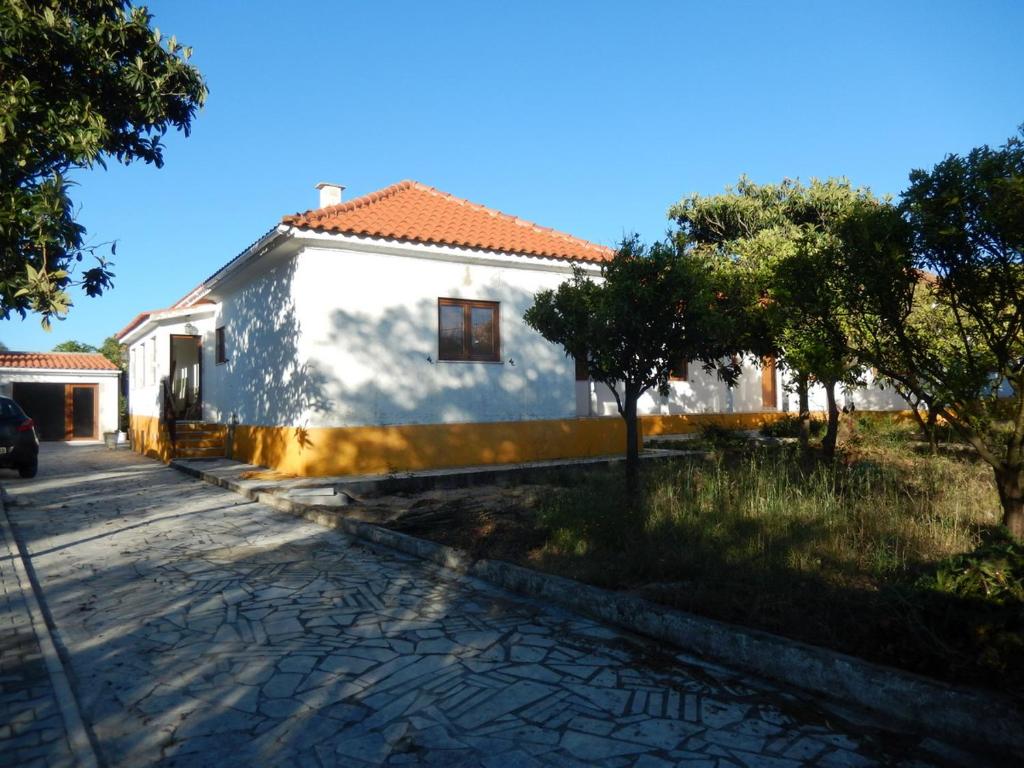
x: 199, y: 453
x: 200, y: 441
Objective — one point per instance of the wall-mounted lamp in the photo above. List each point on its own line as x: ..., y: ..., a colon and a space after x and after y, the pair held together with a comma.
x: 191, y: 330
x: 430, y: 359
x: 512, y: 362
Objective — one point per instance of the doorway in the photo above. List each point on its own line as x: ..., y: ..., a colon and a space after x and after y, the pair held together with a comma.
x: 185, y: 381
x: 769, y: 391
x: 60, y: 411
x: 80, y: 412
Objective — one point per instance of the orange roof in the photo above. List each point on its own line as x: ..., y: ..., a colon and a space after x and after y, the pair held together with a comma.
x: 68, y: 361
x: 415, y: 212
x: 136, y: 321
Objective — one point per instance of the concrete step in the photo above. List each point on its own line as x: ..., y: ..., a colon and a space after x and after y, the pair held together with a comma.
x: 199, y: 453
x: 200, y: 442
x: 196, y: 426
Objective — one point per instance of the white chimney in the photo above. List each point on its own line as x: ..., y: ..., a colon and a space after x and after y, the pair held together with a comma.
x: 330, y: 194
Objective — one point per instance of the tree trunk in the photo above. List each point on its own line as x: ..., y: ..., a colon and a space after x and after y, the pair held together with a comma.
x: 804, y: 406
x: 1010, y: 482
x: 632, y: 444
x: 828, y: 443
x: 929, y: 430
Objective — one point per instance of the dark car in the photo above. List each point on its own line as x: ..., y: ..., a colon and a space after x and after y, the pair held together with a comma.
x: 19, y: 445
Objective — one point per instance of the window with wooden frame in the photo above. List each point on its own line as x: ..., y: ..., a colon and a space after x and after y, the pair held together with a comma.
x: 582, y: 369
x: 679, y: 370
x: 220, y: 348
x: 468, y: 330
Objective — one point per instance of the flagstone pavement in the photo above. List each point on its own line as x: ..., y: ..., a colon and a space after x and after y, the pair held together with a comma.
x: 206, y: 630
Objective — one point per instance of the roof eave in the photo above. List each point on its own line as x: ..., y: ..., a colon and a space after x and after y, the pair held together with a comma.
x: 266, y: 243
x: 156, y: 318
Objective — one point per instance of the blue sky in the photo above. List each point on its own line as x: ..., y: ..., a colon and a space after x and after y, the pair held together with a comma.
x: 589, y: 117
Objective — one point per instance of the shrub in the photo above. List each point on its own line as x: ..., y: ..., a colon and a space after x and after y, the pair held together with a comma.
x: 789, y: 426
x: 993, y: 573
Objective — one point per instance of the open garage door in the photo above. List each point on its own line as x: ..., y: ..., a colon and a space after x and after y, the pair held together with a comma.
x: 60, y: 411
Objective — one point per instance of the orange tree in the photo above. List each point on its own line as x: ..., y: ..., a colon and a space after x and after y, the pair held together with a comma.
x: 653, y: 306
x: 934, y: 297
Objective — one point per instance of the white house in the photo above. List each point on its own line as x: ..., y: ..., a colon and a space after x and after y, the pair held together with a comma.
x: 69, y: 395
x: 386, y: 333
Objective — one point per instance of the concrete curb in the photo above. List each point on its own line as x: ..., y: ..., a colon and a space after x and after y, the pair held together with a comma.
x: 78, y: 737
x: 986, y: 720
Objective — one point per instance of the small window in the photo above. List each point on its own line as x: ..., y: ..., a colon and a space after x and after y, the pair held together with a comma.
x: 468, y: 330
x: 679, y: 371
x: 152, y: 362
x: 222, y: 355
x: 582, y: 370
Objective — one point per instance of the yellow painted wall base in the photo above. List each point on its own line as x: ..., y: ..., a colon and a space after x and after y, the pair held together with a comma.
x: 409, y: 447
x: 379, y: 450
x: 150, y: 438
x: 685, y: 423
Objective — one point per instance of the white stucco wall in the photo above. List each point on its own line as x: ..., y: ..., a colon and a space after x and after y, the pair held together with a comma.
x: 870, y: 397
x: 331, y: 334
x: 344, y: 338
x: 106, y: 388
x: 701, y: 393
x: 144, y: 380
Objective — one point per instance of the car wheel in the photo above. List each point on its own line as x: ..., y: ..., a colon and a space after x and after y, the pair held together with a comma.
x: 29, y: 470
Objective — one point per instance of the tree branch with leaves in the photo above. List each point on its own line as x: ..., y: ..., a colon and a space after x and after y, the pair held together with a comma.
x: 80, y: 82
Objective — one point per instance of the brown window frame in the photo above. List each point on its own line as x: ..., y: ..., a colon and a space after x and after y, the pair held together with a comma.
x: 468, y: 305
x: 674, y: 371
x: 220, y: 346
x: 582, y: 369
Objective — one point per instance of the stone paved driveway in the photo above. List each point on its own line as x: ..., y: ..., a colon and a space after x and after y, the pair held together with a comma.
x: 32, y: 731
x: 204, y: 629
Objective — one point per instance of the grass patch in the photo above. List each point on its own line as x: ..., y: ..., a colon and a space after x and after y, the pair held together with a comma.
x: 858, y: 554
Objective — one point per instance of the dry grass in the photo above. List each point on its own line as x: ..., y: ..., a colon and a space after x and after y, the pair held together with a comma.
x: 876, y: 517
x: 830, y: 553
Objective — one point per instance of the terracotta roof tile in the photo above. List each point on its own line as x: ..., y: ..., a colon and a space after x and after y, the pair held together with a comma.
x: 415, y: 212
x: 74, y: 361
x: 136, y: 321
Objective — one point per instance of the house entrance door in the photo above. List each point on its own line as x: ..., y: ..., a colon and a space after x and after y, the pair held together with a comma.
x: 769, y: 392
x: 185, y: 382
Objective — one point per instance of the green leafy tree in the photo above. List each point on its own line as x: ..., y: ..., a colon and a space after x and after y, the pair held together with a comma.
x: 786, y: 239
x: 80, y: 82
x: 115, y: 352
x: 74, y: 346
x: 935, y: 295
x: 652, y: 307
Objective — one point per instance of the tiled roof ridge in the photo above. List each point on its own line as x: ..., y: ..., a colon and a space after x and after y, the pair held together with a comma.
x: 311, y: 218
x: 12, y: 358
x: 514, y: 219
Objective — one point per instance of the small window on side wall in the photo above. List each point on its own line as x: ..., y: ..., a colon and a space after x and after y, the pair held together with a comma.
x: 468, y: 330
x: 680, y: 371
x: 582, y: 369
x: 222, y: 355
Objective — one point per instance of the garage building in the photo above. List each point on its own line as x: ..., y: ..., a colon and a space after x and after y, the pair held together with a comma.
x: 69, y: 395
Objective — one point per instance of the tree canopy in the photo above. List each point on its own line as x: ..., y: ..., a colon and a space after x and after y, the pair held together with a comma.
x: 80, y: 82
x: 784, y: 242
x: 935, y: 300
x: 74, y: 346
x: 652, y: 308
